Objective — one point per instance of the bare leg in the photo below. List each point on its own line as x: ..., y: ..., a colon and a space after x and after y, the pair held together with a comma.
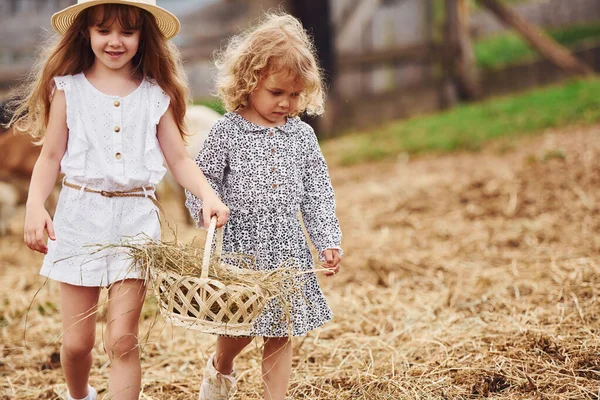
x: 78, y: 306
x: 125, y: 305
x: 227, y: 350
x: 277, y: 367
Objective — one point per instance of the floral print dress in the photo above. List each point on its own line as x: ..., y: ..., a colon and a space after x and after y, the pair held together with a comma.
x: 267, y: 177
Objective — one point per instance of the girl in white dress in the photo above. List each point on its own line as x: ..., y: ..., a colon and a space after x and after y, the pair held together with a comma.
x: 108, y: 102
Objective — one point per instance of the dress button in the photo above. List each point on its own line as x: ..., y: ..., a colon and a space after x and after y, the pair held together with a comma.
x: 275, y: 186
x: 118, y: 156
x: 273, y: 169
x: 271, y: 133
x: 117, y: 103
x: 117, y: 129
x: 273, y: 150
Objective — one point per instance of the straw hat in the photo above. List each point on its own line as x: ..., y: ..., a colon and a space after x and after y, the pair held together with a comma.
x: 167, y: 23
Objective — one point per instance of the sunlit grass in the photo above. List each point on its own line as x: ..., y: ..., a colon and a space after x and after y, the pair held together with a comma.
x: 506, y: 48
x: 467, y: 127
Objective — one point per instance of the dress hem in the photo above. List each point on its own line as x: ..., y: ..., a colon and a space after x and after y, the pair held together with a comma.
x: 78, y: 282
x: 298, y: 334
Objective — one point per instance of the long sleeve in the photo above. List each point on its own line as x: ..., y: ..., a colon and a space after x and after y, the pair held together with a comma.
x: 213, y: 161
x: 318, y: 201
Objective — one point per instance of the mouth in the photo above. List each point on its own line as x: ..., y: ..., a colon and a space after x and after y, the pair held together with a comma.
x: 115, y: 54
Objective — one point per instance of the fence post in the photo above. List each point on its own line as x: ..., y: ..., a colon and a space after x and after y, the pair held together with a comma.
x: 315, y: 16
x: 537, y: 38
x: 460, y: 62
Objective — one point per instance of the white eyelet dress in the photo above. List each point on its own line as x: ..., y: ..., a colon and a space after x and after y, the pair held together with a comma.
x: 267, y: 176
x: 112, y: 146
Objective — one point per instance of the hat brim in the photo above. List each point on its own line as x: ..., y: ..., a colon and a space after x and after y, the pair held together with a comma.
x: 167, y: 23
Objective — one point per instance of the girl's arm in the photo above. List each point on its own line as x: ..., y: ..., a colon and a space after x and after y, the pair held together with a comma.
x: 45, y: 172
x: 212, y: 160
x: 186, y: 172
x: 318, y: 206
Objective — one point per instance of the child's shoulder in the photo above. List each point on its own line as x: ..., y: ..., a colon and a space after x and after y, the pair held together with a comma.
x: 67, y: 78
x: 66, y: 82
x: 226, y: 122
x: 302, y: 126
x: 305, y: 131
x: 77, y: 75
x: 234, y: 122
x: 151, y: 84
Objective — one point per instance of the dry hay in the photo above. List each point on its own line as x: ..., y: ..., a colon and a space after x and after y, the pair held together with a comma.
x: 226, y: 300
x: 466, y: 276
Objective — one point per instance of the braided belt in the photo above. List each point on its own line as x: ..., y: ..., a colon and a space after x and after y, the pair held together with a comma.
x: 125, y: 193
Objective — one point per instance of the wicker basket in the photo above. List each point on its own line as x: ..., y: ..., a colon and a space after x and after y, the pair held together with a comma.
x: 208, y: 305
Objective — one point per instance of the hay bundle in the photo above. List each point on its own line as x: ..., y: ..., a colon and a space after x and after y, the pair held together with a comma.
x: 220, y: 294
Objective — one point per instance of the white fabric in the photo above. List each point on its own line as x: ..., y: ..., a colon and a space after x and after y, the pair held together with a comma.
x: 82, y: 218
x: 92, y: 394
x: 215, y: 385
x: 93, y: 143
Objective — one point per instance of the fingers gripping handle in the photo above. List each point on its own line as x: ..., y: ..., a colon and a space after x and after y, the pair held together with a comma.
x: 212, y: 228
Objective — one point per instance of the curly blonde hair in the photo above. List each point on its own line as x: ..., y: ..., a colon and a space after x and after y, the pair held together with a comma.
x: 278, y: 42
x: 70, y: 54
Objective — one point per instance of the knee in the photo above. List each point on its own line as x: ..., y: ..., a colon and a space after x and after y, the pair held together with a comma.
x: 122, y: 345
x: 76, y: 349
x: 277, y: 345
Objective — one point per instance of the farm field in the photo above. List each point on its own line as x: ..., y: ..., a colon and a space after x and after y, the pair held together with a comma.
x: 466, y: 275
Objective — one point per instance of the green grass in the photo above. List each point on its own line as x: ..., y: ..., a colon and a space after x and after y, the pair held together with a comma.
x: 213, y: 103
x: 468, y: 127
x: 499, y: 50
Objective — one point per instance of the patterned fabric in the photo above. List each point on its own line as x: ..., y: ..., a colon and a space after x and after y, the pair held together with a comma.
x: 112, y: 146
x: 267, y: 177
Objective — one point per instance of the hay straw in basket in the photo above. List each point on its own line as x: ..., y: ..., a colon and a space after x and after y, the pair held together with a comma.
x: 212, y: 293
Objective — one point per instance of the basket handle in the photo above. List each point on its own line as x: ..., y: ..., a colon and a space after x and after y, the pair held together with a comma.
x: 208, y: 245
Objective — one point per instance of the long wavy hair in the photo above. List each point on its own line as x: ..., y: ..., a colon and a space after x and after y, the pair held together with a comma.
x: 157, y: 59
x: 278, y: 42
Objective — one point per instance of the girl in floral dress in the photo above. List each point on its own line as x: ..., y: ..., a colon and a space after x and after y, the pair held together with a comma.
x: 266, y: 165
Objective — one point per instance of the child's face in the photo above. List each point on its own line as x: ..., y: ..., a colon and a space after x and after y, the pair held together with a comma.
x: 276, y: 96
x: 113, y: 45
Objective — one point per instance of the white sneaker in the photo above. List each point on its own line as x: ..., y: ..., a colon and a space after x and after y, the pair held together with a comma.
x: 92, y: 394
x: 215, y: 385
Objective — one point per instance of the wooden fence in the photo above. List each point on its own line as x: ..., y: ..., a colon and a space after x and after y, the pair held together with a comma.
x: 386, y: 61
x: 546, y: 13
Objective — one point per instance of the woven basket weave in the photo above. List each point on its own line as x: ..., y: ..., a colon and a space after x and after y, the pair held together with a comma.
x: 205, y: 304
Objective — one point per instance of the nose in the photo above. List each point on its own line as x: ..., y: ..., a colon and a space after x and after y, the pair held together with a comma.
x: 284, y: 103
x: 114, y: 40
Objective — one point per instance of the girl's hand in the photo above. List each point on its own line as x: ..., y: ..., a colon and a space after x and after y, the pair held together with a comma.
x: 37, y: 220
x: 214, y: 206
x: 332, y: 261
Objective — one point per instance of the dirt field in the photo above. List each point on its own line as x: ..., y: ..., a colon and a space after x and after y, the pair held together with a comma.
x: 466, y: 276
